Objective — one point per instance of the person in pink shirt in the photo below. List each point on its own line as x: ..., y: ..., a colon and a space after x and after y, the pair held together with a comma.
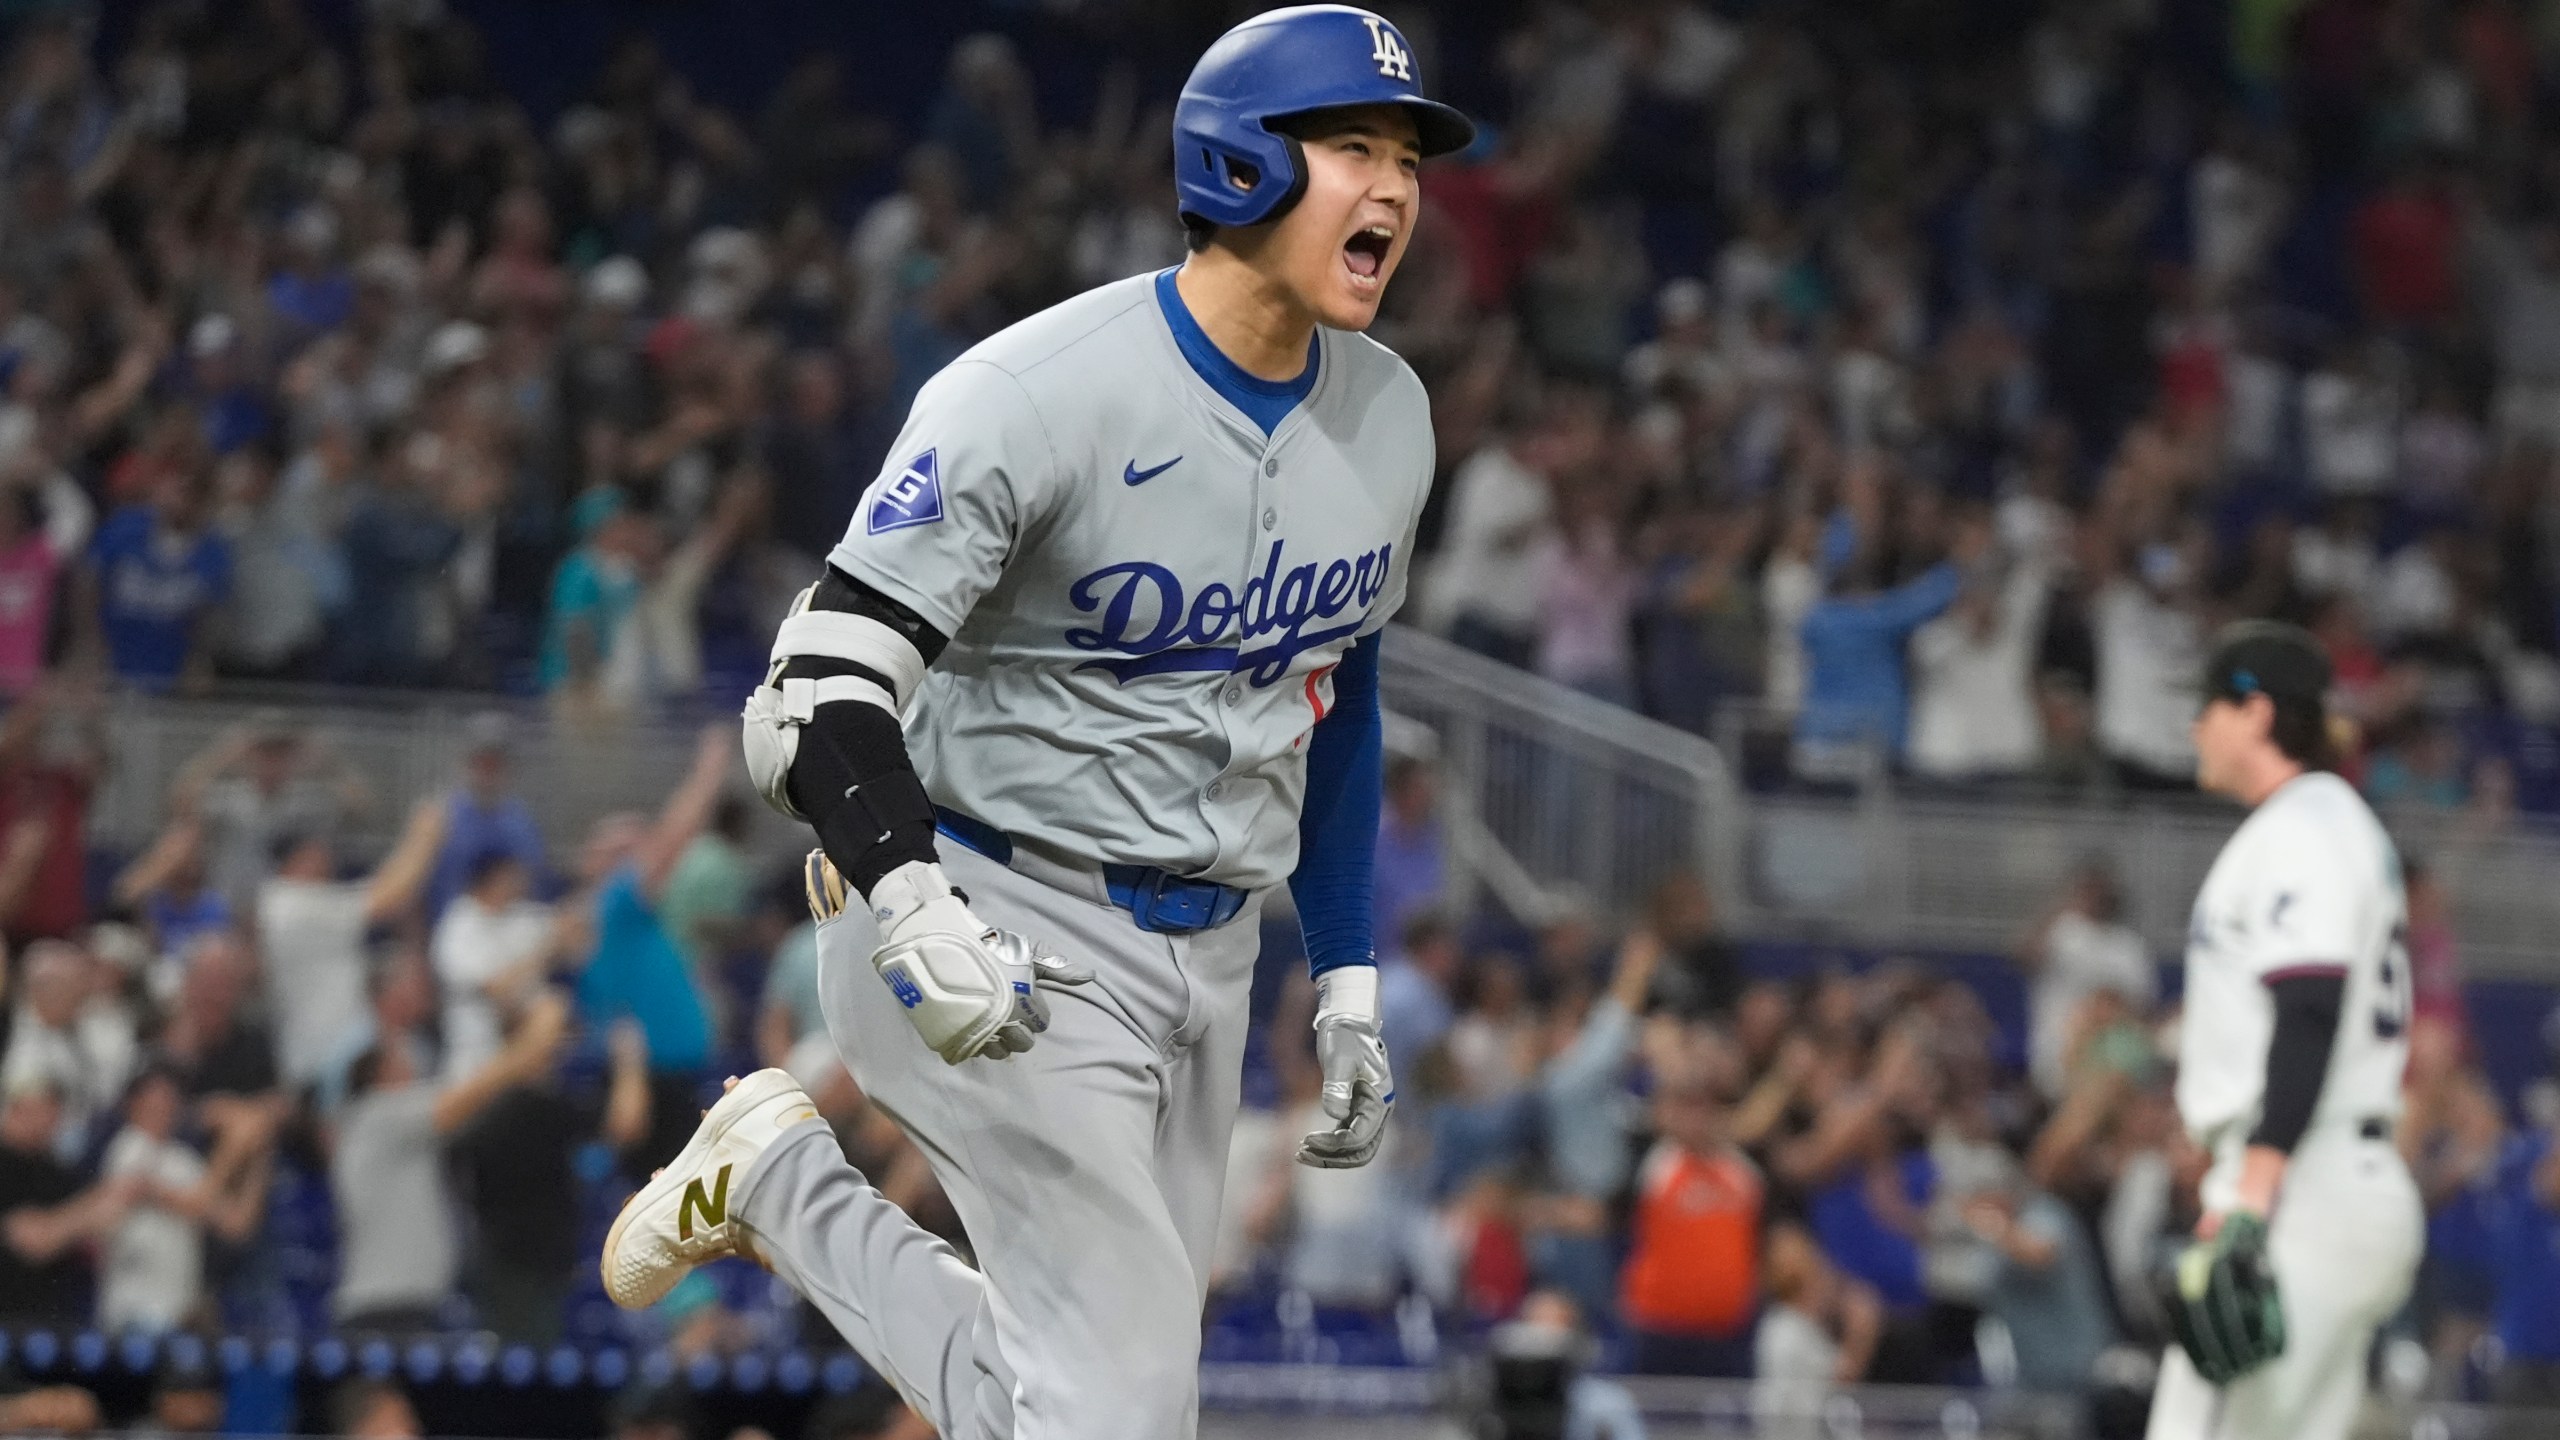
x: 39, y: 525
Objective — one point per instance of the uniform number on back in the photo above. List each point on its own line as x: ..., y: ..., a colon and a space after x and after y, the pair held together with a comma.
x: 2391, y: 1013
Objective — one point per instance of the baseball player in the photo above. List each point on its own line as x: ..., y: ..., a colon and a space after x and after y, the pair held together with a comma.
x: 2290, y: 1056
x: 1092, y: 670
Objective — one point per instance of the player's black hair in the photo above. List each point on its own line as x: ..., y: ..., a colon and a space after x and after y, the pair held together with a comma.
x: 2301, y: 730
x: 1197, y: 233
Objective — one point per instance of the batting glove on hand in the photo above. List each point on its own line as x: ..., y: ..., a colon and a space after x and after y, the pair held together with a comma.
x: 969, y: 988
x: 2221, y: 1300
x: 1359, y: 1089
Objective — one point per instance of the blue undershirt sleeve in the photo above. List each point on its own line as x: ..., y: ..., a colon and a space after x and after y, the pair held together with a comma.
x: 1338, y: 826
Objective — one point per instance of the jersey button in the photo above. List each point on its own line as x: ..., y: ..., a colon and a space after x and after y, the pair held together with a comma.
x: 1270, y: 518
x: 1216, y: 789
x: 1234, y: 693
x: 1270, y: 467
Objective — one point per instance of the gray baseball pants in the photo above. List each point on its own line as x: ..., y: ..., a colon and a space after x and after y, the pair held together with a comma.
x: 1087, y: 1171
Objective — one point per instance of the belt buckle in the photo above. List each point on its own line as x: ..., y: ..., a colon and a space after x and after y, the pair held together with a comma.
x: 1158, y: 912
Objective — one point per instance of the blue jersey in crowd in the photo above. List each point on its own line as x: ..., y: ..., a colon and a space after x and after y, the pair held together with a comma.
x: 153, y: 585
x: 2525, y: 1233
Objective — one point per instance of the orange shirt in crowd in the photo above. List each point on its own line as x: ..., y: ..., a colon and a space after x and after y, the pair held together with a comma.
x: 1694, y: 1268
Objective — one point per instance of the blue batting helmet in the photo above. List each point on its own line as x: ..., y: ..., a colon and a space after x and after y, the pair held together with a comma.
x: 1229, y: 166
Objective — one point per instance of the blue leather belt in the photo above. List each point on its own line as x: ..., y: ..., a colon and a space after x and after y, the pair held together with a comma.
x: 1161, y: 903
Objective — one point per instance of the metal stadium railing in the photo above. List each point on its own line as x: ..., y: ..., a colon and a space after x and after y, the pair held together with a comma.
x: 1573, y: 800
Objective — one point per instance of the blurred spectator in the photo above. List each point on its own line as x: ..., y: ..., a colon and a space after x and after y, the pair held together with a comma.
x: 400, y: 997
x: 486, y: 816
x: 260, y: 786
x: 400, y: 1253
x: 311, y: 934
x: 1587, y: 1120
x: 2435, y: 952
x: 1701, y: 973
x: 1412, y: 860
x: 2525, y: 1233
x: 791, y: 1016
x: 71, y: 1036
x: 1820, y: 1330
x: 159, y: 574
x: 288, y: 570
x: 210, y: 1044
x: 2080, y: 947
x: 1413, y: 985
x: 1586, y: 593
x: 1855, y: 696
x: 2518, y: 270
x: 705, y: 907
x: 1691, y: 1287
x: 2350, y: 425
x: 52, y: 758
x: 169, y: 886
x: 494, y: 946
x: 636, y: 969
x: 50, y: 1221
x: 407, y: 521
x: 2149, y: 643
x: 1500, y: 508
x: 154, y: 1268
x: 1491, y: 1039
x: 2046, y: 1288
x: 44, y: 527
x: 593, y: 593
x: 2452, y: 1134
x: 1973, y: 712
x: 518, y: 1157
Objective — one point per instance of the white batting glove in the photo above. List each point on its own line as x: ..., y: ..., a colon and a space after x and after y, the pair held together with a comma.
x: 1359, y: 1089
x: 969, y: 988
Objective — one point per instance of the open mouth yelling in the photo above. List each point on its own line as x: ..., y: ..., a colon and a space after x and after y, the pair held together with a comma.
x: 1365, y: 255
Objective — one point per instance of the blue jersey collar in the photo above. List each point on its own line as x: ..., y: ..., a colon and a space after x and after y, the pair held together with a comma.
x: 1265, y: 402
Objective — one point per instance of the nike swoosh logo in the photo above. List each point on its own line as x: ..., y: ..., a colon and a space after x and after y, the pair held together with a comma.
x: 1135, y: 476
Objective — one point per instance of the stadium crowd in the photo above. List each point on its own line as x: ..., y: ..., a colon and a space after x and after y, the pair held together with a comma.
x: 1904, y: 385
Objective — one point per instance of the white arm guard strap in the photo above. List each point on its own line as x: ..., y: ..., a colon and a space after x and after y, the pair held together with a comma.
x: 777, y: 709
x: 856, y: 639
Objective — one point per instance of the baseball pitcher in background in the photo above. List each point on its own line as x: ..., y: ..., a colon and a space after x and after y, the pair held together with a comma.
x: 2289, y: 1063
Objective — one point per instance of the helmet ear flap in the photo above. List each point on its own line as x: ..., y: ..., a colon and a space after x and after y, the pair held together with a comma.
x: 1297, y: 179
x: 1235, y: 183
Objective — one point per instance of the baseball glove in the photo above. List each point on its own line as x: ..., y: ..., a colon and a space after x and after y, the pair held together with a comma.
x: 2220, y: 1297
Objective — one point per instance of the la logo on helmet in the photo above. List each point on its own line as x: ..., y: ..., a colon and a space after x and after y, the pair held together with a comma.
x: 1394, y: 61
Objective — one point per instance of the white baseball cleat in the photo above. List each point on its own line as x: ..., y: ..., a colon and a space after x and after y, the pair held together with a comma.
x: 682, y: 1218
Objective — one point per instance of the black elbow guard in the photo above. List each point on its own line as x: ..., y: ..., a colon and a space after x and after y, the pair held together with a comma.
x: 855, y: 782
x: 853, y: 776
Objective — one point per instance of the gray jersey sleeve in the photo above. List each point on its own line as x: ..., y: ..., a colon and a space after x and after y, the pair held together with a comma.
x: 969, y: 472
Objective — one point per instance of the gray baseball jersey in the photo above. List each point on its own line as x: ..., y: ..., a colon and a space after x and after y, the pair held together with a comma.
x: 1145, y: 595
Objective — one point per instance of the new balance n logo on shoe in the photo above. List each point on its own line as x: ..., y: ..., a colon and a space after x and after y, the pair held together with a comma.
x: 714, y: 1208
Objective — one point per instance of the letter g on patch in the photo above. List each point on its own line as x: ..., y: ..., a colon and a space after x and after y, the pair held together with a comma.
x: 913, y: 496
